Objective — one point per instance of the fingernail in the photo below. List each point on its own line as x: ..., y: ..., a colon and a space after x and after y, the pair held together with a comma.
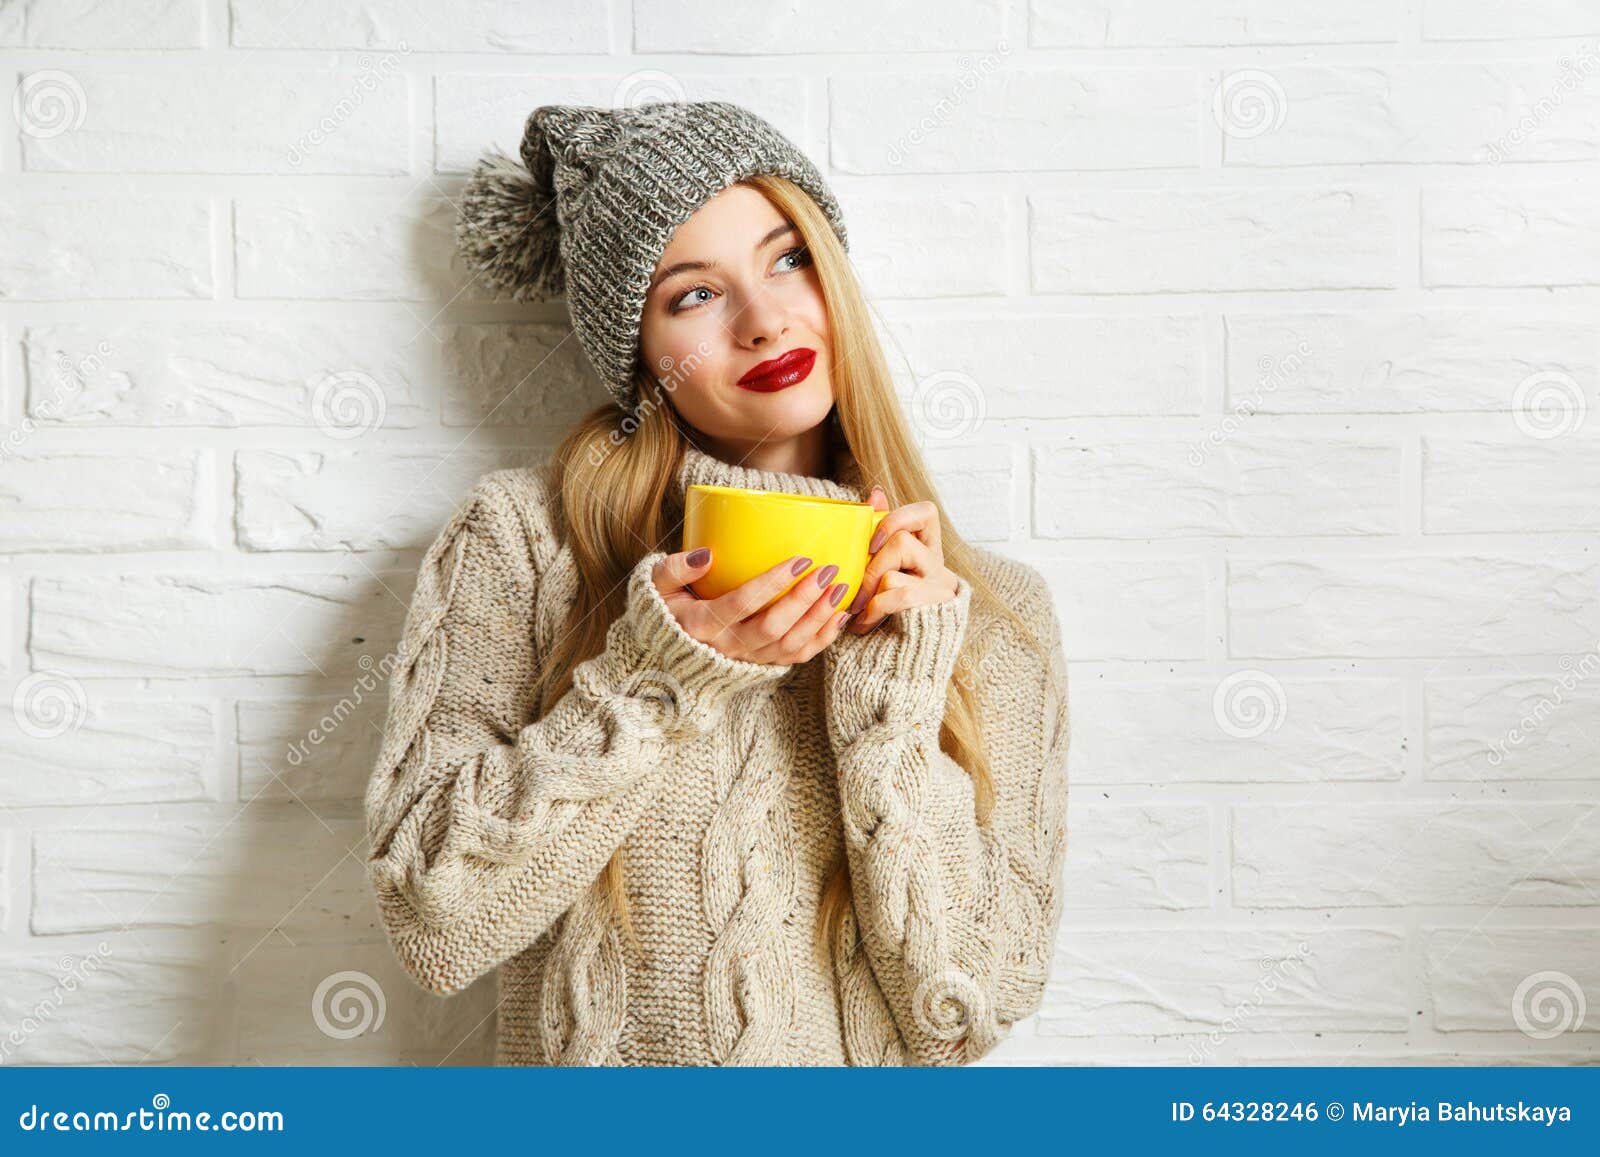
x: 800, y: 565
x: 840, y: 618
x: 699, y: 557
x: 838, y: 593
x: 825, y: 575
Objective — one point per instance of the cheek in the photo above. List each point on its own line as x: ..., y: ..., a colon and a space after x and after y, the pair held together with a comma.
x: 680, y: 345
x: 810, y: 305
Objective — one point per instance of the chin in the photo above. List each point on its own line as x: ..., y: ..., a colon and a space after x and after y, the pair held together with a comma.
x: 792, y: 411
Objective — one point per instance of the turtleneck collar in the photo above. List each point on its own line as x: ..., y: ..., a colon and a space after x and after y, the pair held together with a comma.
x: 701, y: 468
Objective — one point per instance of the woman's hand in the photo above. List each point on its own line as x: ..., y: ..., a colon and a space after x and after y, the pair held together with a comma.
x: 907, y: 565
x: 740, y: 624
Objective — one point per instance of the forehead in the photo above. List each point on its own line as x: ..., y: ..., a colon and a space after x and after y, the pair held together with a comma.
x: 727, y: 224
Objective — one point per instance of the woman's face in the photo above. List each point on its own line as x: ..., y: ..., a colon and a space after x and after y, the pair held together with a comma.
x: 749, y: 294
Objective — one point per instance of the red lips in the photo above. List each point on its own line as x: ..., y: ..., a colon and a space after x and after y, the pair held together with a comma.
x: 781, y: 372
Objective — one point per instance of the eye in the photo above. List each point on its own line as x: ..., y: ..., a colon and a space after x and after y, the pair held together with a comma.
x: 678, y: 306
x: 800, y: 254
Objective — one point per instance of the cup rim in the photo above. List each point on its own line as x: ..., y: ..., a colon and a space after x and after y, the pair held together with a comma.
x: 748, y: 492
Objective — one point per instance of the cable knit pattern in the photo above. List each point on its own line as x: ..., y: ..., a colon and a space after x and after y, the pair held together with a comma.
x: 942, y: 911
x: 748, y: 883
x: 489, y: 827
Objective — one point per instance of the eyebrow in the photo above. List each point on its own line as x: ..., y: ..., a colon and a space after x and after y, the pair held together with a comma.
x: 686, y: 266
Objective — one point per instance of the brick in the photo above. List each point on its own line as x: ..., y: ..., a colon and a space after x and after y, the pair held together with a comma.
x: 1256, y: 729
x: 197, y: 624
x: 232, y: 373
x: 64, y: 501
x: 1245, y: 485
x: 358, y: 499
x: 273, y: 869
x: 985, y: 118
x: 234, y: 120
x: 1385, y: 606
x: 65, y: 248
x: 1167, y: 981
x: 1394, y: 854
x: 62, y: 745
x: 1213, y: 240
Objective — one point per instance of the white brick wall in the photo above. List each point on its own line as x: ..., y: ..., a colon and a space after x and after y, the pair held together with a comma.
x: 1275, y: 324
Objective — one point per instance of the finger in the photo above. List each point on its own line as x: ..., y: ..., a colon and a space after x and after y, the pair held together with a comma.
x: 880, y: 607
x: 674, y: 573
x: 903, y: 551
x: 749, y: 597
x: 920, y: 518
x: 766, y: 632
x: 804, y: 637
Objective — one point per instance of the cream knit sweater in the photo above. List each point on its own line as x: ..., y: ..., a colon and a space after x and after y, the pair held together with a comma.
x: 489, y: 828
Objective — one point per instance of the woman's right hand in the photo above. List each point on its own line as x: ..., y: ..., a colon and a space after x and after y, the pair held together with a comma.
x: 740, y: 624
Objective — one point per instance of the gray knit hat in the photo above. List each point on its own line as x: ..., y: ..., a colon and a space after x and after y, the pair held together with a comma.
x: 596, y: 198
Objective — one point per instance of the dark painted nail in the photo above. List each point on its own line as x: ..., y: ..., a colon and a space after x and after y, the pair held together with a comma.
x: 825, y: 575
x: 838, y: 593
x: 699, y: 557
x: 800, y: 565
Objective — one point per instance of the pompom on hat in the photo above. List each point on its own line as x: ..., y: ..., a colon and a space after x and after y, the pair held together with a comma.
x: 597, y: 196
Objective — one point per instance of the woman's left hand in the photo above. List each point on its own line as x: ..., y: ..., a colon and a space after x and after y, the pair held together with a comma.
x: 906, y: 567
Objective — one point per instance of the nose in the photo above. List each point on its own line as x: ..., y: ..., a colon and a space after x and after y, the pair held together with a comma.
x: 760, y: 321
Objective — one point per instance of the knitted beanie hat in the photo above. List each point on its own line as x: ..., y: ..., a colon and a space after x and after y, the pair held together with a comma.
x: 596, y: 198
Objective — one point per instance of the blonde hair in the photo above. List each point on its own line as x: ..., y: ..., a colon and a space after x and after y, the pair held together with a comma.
x: 612, y: 490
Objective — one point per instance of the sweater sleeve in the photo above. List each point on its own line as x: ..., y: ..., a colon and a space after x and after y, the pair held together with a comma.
x: 485, y: 823
x: 957, y: 920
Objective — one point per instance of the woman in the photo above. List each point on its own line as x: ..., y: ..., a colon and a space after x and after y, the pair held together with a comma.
x: 692, y: 831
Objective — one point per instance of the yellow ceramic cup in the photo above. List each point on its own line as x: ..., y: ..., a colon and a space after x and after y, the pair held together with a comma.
x: 752, y: 531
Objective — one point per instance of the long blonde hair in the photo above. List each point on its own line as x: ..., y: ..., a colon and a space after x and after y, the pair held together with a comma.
x: 613, y: 472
